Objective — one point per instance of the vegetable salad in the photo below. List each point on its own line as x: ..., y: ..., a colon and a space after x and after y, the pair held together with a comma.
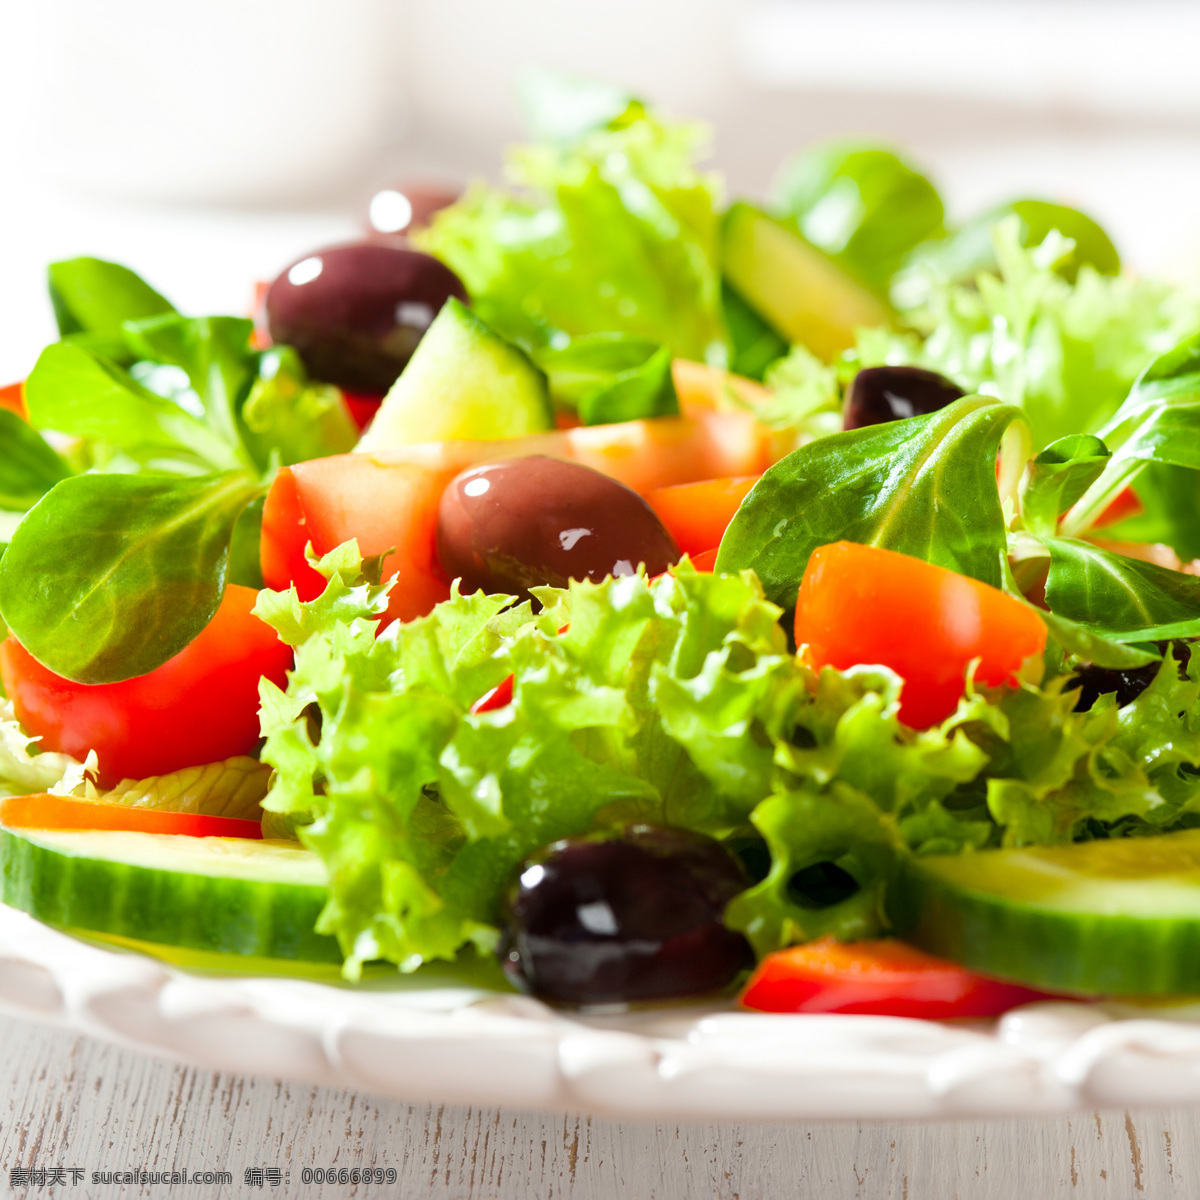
x: 714, y: 578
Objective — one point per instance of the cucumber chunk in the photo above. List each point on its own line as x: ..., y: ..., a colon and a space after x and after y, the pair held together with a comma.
x: 802, y: 294
x: 218, y: 895
x: 463, y: 381
x: 1117, y: 917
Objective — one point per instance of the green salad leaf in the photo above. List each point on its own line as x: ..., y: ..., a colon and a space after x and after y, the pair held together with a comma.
x: 615, y: 232
x: 233, y: 787
x: 108, y: 576
x: 214, y: 353
x: 1065, y: 353
x: 1159, y: 423
x: 76, y: 391
x: 1122, y: 598
x: 753, y: 344
x: 677, y: 702
x: 608, y: 377
x: 92, y: 300
x: 1057, y: 477
x: 29, y: 467
x: 23, y: 770
x: 925, y: 486
x: 862, y: 205
x: 970, y: 250
x: 286, y: 418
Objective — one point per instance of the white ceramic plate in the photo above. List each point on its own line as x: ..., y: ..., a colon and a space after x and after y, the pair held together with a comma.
x: 461, y: 1045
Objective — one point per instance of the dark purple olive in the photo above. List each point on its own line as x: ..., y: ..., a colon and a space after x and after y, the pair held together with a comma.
x: 356, y: 313
x: 880, y: 394
x: 513, y: 525
x: 405, y: 207
x: 1092, y: 682
x: 604, y: 919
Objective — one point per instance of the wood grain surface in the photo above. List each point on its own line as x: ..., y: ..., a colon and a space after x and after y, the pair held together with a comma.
x: 72, y: 1101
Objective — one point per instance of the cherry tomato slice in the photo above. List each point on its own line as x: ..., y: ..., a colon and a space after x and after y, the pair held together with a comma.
x: 200, y: 706
x: 861, y: 604
x: 43, y: 811
x: 887, y: 978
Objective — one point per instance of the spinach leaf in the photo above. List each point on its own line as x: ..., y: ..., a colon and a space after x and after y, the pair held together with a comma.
x: 1120, y: 598
x: 214, y: 352
x: 91, y: 295
x: 28, y: 466
x: 1058, y: 477
x: 73, y: 390
x: 108, y: 576
x: 925, y: 486
x: 1158, y: 422
x: 862, y: 205
x: 610, y: 377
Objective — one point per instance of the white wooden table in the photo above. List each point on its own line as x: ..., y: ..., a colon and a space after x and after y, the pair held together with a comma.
x: 70, y: 1101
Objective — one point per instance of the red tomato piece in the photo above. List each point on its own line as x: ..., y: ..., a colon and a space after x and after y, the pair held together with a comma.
x: 499, y: 697
x: 386, y: 506
x: 44, y: 811
x: 12, y: 397
x: 887, y: 978
x: 706, y: 561
x: 1123, y: 504
x: 697, y: 514
x: 200, y: 706
x: 362, y: 407
x: 860, y: 604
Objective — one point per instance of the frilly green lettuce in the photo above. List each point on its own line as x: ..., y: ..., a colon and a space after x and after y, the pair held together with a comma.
x: 675, y: 701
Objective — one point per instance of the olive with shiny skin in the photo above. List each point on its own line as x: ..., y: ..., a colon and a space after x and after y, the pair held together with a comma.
x: 880, y: 394
x: 523, y: 522
x: 612, y: 919
x: 355, y: 313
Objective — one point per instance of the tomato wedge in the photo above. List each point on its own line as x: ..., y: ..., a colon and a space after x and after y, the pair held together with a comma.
x: 864, y: 605
x: 887, y: 978
x: 44, y: 811
x: 697, y: 514
x: 200, y: 706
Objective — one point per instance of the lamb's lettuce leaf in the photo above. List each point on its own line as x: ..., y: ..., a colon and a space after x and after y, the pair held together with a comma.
x: 925, y: 486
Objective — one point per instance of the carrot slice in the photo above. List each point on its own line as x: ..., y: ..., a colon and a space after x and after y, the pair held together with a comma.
x: 45, y: 811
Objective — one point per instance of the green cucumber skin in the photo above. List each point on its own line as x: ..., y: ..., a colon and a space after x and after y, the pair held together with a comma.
x: 1058, y: 951
x: 198, y: 912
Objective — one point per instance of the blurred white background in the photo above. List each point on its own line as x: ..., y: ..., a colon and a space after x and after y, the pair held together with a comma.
x: 208, y: 144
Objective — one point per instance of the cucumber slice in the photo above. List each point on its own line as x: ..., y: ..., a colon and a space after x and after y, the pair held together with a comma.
x: 804, y: 295
x: 463, y: 381
x: 219, y: 895
x: 1106, y: 917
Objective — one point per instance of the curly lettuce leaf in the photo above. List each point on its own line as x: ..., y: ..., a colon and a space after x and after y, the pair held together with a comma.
x: 24, y: 770
x: 613, y: 232
x: 675, y: 701
x: 1067, y: 353
x: 233, y: 787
